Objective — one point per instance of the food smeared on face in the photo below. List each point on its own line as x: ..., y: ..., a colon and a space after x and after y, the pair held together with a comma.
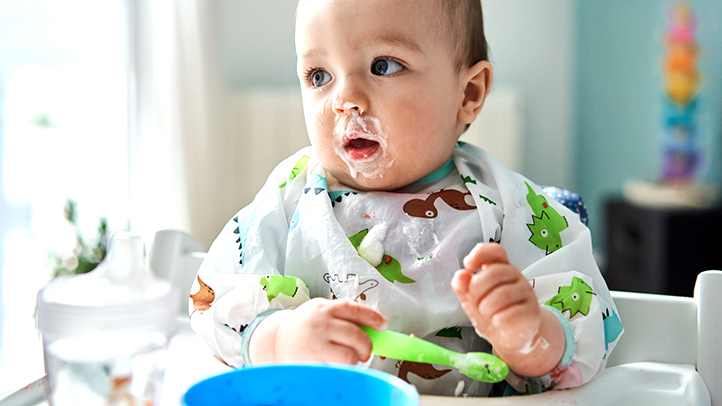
x: 361, y: 143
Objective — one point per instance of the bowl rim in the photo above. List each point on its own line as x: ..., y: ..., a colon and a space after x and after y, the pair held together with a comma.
x: 408, y: 390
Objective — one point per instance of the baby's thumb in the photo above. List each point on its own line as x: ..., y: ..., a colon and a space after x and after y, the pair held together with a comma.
x: 460, y: 282
x: 482, y: 254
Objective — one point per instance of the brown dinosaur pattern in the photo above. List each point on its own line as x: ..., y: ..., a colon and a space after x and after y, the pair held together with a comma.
x: 425, y: 371
x: 204, y: 297
x: 455, y: 199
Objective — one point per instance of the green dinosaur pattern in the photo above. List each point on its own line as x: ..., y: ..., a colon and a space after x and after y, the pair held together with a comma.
x: 358, y: 237
x: 468, y: 179
x: 389, y: 268
x: 486, y: 199
x: 547, y: 223
x: 297, y: 168
x: 426, y: 258
x: 274, y: 285
x: 450, y: 332
x: 577, y: 298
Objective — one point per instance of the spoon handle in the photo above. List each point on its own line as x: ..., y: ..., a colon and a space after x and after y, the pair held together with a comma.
x: 406, y: 348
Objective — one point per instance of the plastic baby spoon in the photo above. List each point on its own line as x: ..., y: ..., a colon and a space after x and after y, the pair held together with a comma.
x: 476, y: 365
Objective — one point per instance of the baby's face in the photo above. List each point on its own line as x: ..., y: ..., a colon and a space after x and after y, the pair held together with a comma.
x: 380, y: 91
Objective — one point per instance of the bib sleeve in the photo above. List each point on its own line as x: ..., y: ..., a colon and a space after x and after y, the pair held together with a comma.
x: 242, y: 275
x: 553, y: 249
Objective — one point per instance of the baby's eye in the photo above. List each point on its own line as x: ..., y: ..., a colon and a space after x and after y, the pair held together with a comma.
x: 319, y: 77
x: 385, y: 66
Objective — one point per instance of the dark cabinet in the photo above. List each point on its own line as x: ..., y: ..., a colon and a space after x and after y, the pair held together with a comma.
x: 656, y: 250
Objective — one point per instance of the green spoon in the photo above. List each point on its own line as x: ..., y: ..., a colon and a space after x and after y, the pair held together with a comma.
x: 476, y: 365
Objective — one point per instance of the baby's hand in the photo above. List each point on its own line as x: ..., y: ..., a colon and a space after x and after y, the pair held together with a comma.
x: 497, y: 298
x: 318, y: 330
x: 503, y: 309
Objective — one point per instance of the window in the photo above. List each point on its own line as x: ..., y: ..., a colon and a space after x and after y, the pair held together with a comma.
x: 63, y: 135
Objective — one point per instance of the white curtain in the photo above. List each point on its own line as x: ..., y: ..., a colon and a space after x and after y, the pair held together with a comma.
x: 178, y: 145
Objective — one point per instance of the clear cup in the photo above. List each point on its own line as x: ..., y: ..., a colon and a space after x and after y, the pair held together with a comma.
x: 105, y: 333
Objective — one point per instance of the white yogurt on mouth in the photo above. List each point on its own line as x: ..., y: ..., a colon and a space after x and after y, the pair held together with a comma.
x: 374, y: 166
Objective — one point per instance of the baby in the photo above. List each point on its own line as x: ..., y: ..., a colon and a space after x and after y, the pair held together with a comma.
x: 413, y: 230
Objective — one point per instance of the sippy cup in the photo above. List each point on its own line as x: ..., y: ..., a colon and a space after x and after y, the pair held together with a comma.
x: 105, y: 333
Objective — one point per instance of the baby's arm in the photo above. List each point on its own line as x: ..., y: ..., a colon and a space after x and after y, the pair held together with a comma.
x: 318, y: 330
x: 504, y: 309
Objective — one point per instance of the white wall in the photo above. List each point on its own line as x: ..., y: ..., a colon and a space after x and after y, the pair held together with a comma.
x: 532, y: 50
x: 256, y: 41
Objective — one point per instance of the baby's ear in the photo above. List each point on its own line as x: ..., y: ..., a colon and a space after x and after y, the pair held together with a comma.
x: 476, y: 81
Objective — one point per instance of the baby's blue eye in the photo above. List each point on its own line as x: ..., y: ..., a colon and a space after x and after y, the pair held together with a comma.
x: 320, y: 77
x: 385, y: 66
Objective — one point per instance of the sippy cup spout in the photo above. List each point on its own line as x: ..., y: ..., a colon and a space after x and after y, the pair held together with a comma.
x: 124, y: 262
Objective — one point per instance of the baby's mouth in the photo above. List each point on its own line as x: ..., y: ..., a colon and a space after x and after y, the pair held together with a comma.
x: 359, y: 148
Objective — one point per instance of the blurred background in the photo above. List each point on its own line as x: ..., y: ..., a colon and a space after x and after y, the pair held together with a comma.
x: 144, y: 115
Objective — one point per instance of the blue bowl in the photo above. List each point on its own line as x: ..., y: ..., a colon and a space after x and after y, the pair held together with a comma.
x: 308, y: 384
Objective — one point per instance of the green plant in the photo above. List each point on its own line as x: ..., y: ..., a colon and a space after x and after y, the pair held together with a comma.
x: 84, y: 257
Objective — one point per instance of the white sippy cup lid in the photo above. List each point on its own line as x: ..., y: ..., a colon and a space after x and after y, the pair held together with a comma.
x: 120, y: 294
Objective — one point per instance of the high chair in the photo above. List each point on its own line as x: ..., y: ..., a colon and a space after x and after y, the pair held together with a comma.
x: 672, y: 346
x: 670, y: 353
x: 176, y: 256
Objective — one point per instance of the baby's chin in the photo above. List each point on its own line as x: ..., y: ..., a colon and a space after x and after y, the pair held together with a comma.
x: 379, y: 184
x: 388, y: 181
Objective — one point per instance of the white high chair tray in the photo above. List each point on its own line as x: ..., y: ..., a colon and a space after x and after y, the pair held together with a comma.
x: 630, y: 384
x: 645, y: 383
x: 660, y: 384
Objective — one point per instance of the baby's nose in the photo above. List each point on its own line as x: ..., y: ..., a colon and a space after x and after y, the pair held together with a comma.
x: 342, y: 107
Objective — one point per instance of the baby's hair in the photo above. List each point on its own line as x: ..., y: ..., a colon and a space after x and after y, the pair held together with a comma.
x: 465, y: 30
x: 465, y: 27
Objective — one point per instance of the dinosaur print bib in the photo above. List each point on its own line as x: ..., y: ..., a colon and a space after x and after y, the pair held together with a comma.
x: 307, y: 235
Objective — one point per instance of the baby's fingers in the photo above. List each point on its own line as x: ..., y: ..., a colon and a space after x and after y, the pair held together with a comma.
x: 493, y: 277
x: 350, y: 335
x: 340, y: 354
x: 462, y: 285
x: 482, y: 254
x: 359, y: 314
x: 502, y: 299
x: 461, y: 282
